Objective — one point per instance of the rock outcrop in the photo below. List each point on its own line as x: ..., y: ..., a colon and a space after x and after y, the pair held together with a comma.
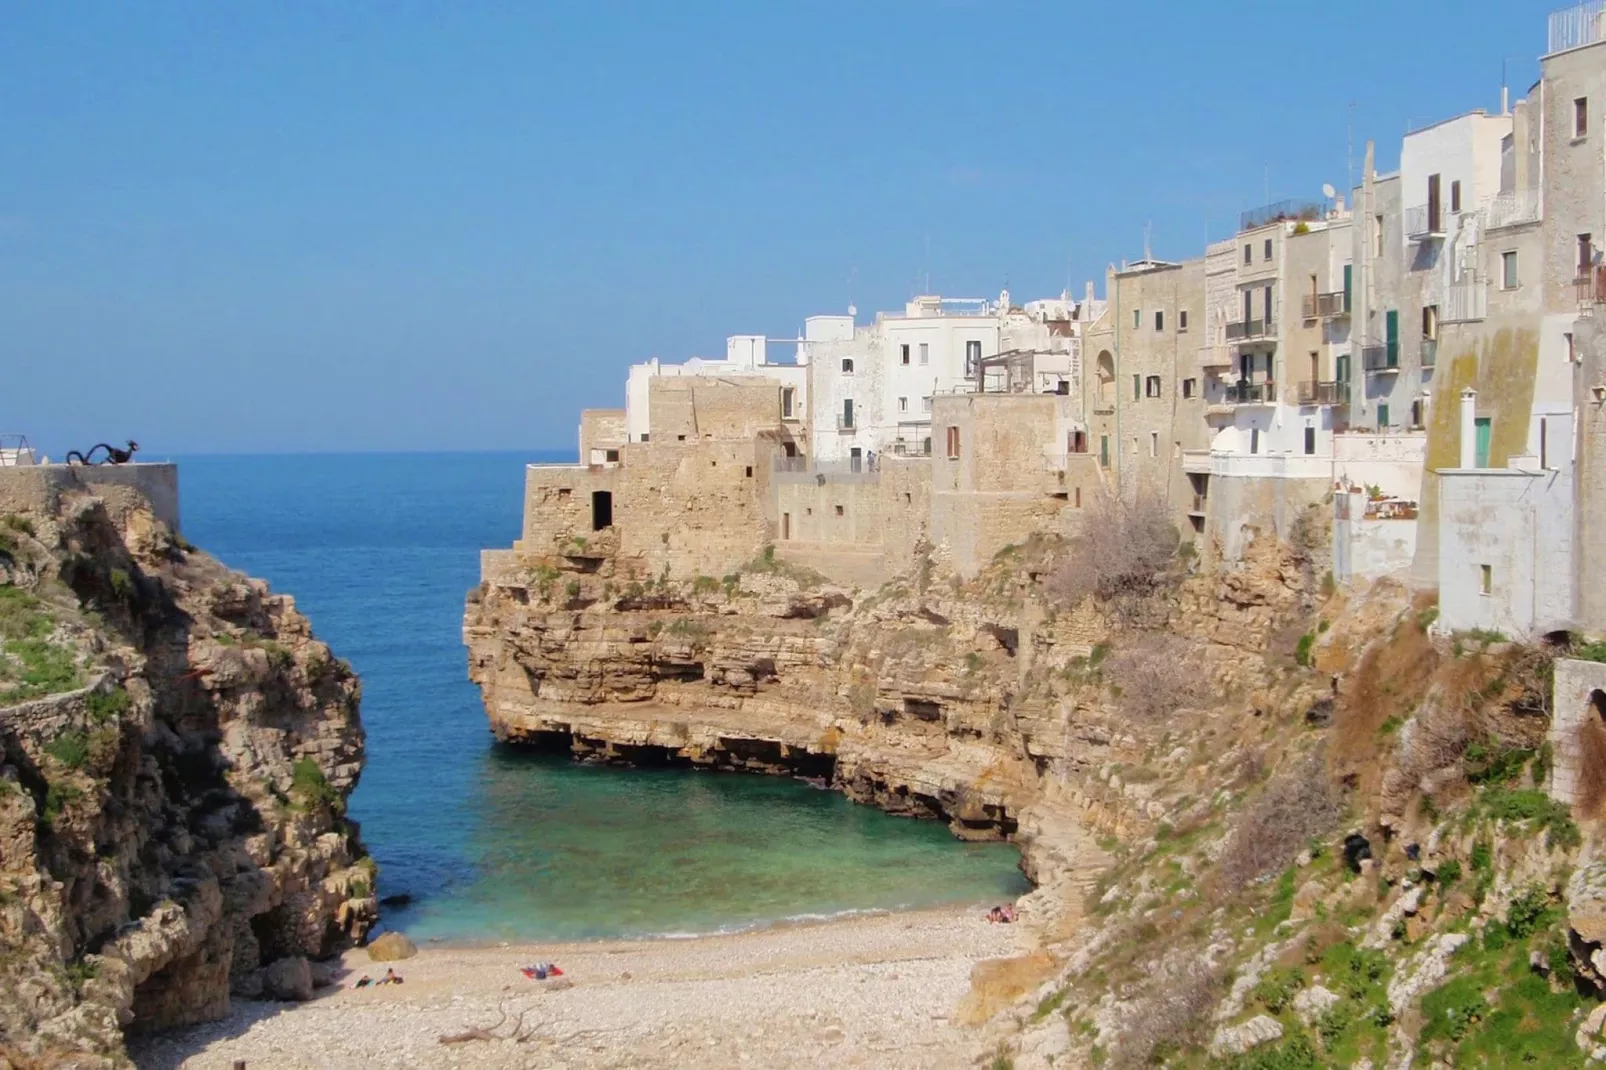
x: 176, y: 749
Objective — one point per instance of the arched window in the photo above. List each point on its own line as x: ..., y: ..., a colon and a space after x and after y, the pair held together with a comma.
x: 1106, y: 370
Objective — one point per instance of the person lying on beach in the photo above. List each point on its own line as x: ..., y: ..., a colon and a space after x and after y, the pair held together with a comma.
x: 391, y: 978
x: 363, y: 982
x: 540, y: 971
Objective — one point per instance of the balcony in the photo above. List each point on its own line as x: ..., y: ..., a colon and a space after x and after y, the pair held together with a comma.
x: 1576, y: 26
x: 1512, y: 209
x: 1425, y: 222
x: 1591, y: 287
x: 1381, y: 357
x: 1251, y: 330
x: 1244, y: 392
x: 1323, y: 392
x: 1430, y: 352
x: 1214, y: 356
x: 1466, y: 302
x: 845, y: 422
x: 1326, y: 306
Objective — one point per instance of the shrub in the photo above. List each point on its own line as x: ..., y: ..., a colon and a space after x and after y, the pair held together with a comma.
x: 70, y: 748
x: 1155, y: 674
x: 1298, y: 805
x: 313, y: 789
x: 1529, y: 912
x: 105, y: 706
x: 122, y: 584
x: 1302, y: 655
x: 1124, y: 552
x: 1449, y: 872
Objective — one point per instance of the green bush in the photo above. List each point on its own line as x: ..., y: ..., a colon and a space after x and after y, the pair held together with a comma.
x: 58, y: 796
x: 1302, y: 650
x: 122, y: 584
x: 1449, y: 872
x: 105, y: 706
x: 1529, y: 912
x: 70, y: 748
x: 311, y: 788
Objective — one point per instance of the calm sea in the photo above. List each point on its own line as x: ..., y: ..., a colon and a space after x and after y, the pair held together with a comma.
x: 492, y: 843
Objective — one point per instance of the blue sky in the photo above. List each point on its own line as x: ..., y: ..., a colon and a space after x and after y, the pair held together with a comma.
x: 243, y: 227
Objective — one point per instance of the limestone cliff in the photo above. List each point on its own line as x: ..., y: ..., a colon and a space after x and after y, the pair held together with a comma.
x: 175, y: 753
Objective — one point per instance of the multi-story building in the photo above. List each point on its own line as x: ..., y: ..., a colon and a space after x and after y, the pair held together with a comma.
x: 872, y: 387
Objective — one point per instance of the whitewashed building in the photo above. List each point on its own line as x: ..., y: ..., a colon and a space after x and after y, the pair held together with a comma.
x: 745, y: 355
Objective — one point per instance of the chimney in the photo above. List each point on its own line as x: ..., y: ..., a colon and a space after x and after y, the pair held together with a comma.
x: 1469, y: 428
x: 1505, y: 100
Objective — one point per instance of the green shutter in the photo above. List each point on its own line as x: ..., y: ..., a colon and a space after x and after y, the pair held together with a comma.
x: 1482, y: 425
x: 1349, y: 271
x: 1382, y: 416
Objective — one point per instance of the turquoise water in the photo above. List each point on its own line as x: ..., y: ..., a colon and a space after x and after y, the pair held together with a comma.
x: 492, y: 843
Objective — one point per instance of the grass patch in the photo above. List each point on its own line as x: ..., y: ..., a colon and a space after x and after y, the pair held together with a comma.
x: 107, y: 706
x: 311, y: 788
x: 71, y: 749
x: 31, y: 666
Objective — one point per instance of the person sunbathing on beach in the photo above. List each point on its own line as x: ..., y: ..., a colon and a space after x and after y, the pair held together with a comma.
x: 391, y: 978
x: 363, y: 982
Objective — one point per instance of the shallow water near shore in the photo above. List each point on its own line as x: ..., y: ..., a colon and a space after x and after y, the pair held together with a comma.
x: 493, y: 843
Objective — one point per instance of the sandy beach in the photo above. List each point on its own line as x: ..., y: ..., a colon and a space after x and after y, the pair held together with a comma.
x: 867, y: 991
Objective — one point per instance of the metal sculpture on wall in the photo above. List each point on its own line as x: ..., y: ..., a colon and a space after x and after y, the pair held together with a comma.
x: 113, y: 454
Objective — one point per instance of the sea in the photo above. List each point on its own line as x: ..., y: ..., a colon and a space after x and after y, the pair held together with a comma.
x: 481, y: 842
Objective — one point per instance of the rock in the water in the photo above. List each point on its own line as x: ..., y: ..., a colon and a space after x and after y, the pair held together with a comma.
x: 288, y: 979
x: 392, y: 947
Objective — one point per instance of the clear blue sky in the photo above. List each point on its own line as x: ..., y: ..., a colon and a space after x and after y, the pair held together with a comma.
x: 241, y: 227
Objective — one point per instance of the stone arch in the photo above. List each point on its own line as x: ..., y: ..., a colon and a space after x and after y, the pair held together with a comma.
x: 1106, y: 373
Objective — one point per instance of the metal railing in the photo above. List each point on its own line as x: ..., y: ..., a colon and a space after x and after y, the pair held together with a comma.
x: 903, y: 447
x: 1247, y: 393
x: 844, y: 422
x: 1575, y: 26
x: 15, y: 451
x: 1381, y: 356
x: 1512, y: 209
x: 1325, y: 306
x: 1430, y: 352
x: 1466, y: 301
x: 1248, y: 330
x: 1420, y: 222
x: 1281, y: 211
x: 1323, y: 392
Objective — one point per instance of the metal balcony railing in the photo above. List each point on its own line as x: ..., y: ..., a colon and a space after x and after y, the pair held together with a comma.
x: 1381, y: 357
x: 1572, y: 27
x: 1250, y: 330
x: 1247, y: 393
x: 1430, y: 352
x: 1512, y: 209
x: 1422, y: 223
x: 1326, y: 306
x: 1323, y: 392
x: 844, y: 422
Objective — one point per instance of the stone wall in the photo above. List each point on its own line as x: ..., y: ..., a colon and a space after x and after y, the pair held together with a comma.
x: 1578, y: 708
x: 1518, y: 525
x: 1243, y: 509
x: 125, y: 488
x: 601, y: 430
x: 1589, y: 481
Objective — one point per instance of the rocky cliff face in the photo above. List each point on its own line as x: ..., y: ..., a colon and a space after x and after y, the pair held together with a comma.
x: 175, y: 753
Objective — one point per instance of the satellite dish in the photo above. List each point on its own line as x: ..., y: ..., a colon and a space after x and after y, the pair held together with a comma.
x: 1328, y: 191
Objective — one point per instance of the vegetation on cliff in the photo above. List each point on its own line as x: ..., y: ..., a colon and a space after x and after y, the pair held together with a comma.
x: 175, y: 751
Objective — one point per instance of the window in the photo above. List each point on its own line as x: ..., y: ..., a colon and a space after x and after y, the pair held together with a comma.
x: 1151, y: 386
x: 1182, y: 319
x: 847, y: 365
x: 1104, y: 451
x: 749, y: 471
x: 786, y: 525
x: 1430, y: 321
x: 1416, y: 414
x: 563, y: 492
x: 601, y: 509
x: 1190, y: 387
x: 1482, y: 427
x: 847, y: 413
x: 1076, y: 442
x: 1137, y: 317
x: 1377, y: 235
x: 1154, y: 443
x: 1586, y: 254
x: 839, y: 510
x: 644, y: 436
x: 1382, y: 416
x: 1267, y: 254
x: 1485, y: 579
x: 1571, y: 356
x: 1079, y: 497
x: 1159, y: 321
x: 1544, y: 450
x: 972, y: 356
x: 1137, y: 387
x: 1268, y: 309
x: 953, y: 443
x: 903, y: 404
x: 1434, y: 224
x: 788, y: 400
x: 1254, y: 440
x: 905, y: 350
x: 1455, y: 196
x: 1249, y: 254
x: 1310, y: 441
x: 1581, y: 117
x: 925, y: 353
x: 925, y: 404
x: 1508, y: 270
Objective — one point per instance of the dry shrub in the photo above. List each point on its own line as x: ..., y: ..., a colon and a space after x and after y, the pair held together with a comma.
x: 1299, y: 805
x: 1156, y: 673
x: 1171, y: 1017
x: 1123, y: 554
